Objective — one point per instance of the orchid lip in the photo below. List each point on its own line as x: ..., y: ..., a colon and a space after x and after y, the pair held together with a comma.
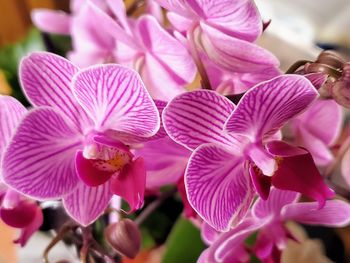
x: 100, y: 159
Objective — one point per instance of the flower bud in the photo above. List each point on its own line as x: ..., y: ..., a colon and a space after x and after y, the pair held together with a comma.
x: 125, y: 237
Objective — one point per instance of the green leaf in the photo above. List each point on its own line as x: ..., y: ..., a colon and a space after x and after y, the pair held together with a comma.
x: 184, y: 243
x: 11, y: 55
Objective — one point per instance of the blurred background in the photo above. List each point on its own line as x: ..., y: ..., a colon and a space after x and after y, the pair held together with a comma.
x: 299, y: 29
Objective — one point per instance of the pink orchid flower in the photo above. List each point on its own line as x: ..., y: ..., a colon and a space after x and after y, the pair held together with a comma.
x: 223, y: 30
x: 268, y: 217
x: 15, y: 210
x: 317, y: 129
x: 75, y: 144
x: 233, y: 151
x: 152, y: 51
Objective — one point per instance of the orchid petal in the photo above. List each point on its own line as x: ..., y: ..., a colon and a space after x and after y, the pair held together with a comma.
x: 130, y: 184
x: 261, y: 158
x: 335, y: 213
x: 345, y: 166
x: 273, y: 205
x: 230, y: 246
x: 130, y: 139
x: 88, y: 173
x: 264, y: 109
x: 110, y: 27
x: 188, y: 210
x: 165, y: 161
x: 169, y: 52
x: 239, y: 19
x: 11, y: 199
x: 19, y: 216
x: 56, y: 22
x: 11, y: 112
x: 208, y: 234
x: 319, y: 127
x: 198, y: 117
x: 119, y: 10
x: 217, y: 186
x: 30, y: 229
x: 317, y: 79
x: 261, y: 182
x: 179, y: 6
x: 39, y: 162
x: 179, y: 22
x: 46, y: 78
x: 203, y: 258
x: 318, y: 149
x: 154, y: 75
x: 115, y: 98
x: 91, y: 42
x: 297, y: 172
x: 85, y: 204
x: 155, y: 10
x: 233, y: 54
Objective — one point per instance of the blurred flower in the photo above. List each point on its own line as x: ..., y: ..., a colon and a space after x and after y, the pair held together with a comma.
x: 318, y: 128
x: 224, y: 31
x: 268, y: 217
x: 148, y: 48
x: 230, y: 143
x: 75, y: 144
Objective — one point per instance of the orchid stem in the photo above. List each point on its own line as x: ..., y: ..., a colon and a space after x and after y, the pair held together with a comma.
x: 297, y: 65
x: 60, y: 235
x: 205, y: 82
x: 153, y: 206
x: 87, y: 237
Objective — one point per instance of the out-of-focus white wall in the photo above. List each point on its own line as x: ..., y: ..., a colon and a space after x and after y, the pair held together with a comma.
x: 310, y: 18
x: 298, y: 25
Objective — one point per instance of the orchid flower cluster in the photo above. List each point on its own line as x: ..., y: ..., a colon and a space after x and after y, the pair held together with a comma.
x: 248, y: 148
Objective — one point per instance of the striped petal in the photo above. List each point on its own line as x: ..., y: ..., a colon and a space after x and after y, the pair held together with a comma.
x: 85, y: 204
x: 218, y: 187
x: 11, y: 111
x: 115, y: 98
x: 240, y: 19
x: 273, y: 205
x: 335, y: 213
x: 268, y: 106
x: 39, y: 162
x: 234, y: 54
x: 198, y: 117
x: 46, y: 79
